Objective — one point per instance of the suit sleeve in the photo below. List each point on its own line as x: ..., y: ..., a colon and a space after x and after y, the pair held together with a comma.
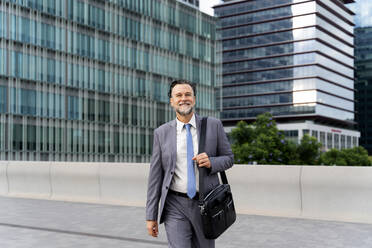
x: 225, y: 157
x: 155, y: 181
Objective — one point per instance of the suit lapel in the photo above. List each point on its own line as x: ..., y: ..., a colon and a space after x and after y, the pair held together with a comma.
x: 173, y: 137
x: 198, y: 126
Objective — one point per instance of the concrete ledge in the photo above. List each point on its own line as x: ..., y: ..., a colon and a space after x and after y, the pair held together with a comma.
x: 124, y: 184
x: 75, y: 182
x: 266, y: 190
x: 4, y: 188
x: 337, y: 193
x: 318, y: 192
x: 31, y: 179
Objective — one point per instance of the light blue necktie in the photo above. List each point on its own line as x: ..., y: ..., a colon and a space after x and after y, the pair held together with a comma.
x: 191, y: 184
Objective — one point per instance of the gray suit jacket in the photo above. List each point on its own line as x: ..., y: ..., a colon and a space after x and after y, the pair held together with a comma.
x: 163, y: 161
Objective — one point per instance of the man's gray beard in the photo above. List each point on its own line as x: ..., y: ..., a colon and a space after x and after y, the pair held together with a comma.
x: 185, y: 113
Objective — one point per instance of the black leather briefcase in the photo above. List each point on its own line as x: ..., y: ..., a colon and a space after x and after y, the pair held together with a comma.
x: 217, y: 207
x: 217, y: 211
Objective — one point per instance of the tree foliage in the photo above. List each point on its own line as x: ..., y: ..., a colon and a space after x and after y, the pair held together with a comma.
x: 263, y: 143
x: 357, y: 156
x: 308, y: 150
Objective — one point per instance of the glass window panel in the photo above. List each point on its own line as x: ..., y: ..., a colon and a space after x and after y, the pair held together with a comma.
x: 276, y: 111
x: 335, y: 31
x: 335, y: 113
x: 329, y: 140
x: 17, y: 144
x: 3, y: 99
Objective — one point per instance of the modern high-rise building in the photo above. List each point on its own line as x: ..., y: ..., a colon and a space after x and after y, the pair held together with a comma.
x: 88, y: 80
x: 363, y: 84
x: 294, y: 59
x: 194, y: 3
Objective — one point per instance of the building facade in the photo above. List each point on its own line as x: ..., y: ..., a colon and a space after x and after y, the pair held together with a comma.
x: 294, y: 59
x: 87, y: 80
x: 194, y: 3
x: 363, y: 84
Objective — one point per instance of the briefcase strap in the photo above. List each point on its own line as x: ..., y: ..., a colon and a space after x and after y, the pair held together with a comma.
x: 203, y: 170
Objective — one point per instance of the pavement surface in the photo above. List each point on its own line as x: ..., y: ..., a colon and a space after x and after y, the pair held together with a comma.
x: 55, y: 224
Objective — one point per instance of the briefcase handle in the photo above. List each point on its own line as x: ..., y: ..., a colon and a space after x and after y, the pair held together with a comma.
x: 203, y: 170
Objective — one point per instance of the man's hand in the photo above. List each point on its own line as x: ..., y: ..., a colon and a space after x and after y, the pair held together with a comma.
x: 152, y: 228
x: 202, y: 160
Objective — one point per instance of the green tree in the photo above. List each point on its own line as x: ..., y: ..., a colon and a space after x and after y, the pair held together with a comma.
x: 357, y: 156
x: 308, y: 150
x: 261, y: 142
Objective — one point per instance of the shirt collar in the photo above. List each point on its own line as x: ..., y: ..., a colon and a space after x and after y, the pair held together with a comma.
x: 180, y: 124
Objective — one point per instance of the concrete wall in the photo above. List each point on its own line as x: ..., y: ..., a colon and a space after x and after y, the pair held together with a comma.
x: 318, y: 192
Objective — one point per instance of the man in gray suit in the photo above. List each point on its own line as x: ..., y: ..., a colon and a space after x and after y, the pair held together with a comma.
x: 174, y: 178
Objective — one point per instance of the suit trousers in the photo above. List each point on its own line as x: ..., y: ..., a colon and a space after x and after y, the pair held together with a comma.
x: 183, y: 223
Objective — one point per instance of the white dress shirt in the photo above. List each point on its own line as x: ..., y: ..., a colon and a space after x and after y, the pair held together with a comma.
x: 179, y: 180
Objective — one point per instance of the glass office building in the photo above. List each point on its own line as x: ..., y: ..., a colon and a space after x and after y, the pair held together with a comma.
x: 293, y: 58
x: 363, y: 85
x: 194, y: 3
x: 87, y: 80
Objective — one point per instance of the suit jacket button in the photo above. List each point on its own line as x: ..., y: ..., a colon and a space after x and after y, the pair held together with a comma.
x: 166, y: 187
x: 171, y: 172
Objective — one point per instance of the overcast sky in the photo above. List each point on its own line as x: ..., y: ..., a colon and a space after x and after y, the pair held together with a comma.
x: 363, y: 11
x: 206, y: 5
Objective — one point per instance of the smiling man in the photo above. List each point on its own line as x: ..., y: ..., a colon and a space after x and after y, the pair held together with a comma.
x: 174, y: 178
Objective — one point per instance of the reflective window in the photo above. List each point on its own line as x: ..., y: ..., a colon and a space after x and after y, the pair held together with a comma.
x: 348, y: 49
x: 256, y: 16
x: 278, y: 36
x: 336, y: 141
x: 322, y: 139
x: 335, y: 101
x: 250, y: 6
x: 304, y: 71
x: 291, y: 135
x: 322, y: 60
x: 258, y: 88
x: 257, y: 100
x: 314, y: 134
x: 276, y: 111
x: 31, y: 138
x: 329, y: 140
x: 74, y: 108
x: 348, y: 141
x: 3, y: 25
x: 335, y: 31
x: 343, y: 142
x: 335, y: 113
x: 331, y: 76
x: 336, y: 8
x: 257, y: 28
x: 3, y: 99
x: 17, y: 143
x: 3, y: 66
x: 335, y: 18
x: 306, y: 58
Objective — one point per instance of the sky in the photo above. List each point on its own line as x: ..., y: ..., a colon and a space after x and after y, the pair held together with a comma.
x: 206, y: 5
x: 363, y: 11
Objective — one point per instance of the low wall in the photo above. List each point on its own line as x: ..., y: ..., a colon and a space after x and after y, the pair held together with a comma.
x: 317, y: 192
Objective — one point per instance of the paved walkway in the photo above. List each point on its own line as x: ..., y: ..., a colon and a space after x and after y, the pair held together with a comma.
x: 53, y: 224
